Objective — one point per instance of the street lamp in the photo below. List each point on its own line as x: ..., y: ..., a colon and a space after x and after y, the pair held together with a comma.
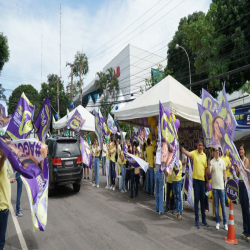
x: 177, y: 46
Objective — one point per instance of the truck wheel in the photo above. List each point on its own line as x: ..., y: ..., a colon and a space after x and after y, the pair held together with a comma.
x: 76, y: 187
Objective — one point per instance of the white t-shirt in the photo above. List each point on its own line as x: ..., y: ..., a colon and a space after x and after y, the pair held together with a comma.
x: 104, y: 147
x: 183, y: 165
x: 217, y: 167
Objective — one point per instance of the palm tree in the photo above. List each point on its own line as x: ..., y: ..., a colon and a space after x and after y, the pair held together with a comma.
x: 101, y: 83
x: 81, y: 68
x: 113, y: 83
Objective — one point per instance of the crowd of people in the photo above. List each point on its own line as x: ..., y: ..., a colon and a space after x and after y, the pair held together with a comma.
x: 216, y: 169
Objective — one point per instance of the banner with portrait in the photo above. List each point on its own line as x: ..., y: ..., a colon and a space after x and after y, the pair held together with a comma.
x: 21, y: 122
x: 169, y: 143
x: 29, y: 158
x: 42, y: 122
x: 188, y: 183
x: 86, y: 153
x: 75, y: 122
x: 4, y: 120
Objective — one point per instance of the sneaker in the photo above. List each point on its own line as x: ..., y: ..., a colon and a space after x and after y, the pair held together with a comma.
x: 107, y: 187
x: 205, y: 224
x: 146, y: 193
x: 113, y: 188
x: 125, y: 191
x: 217, y: 226
x: 151, y: 195
x: 84, y: 177
x: 19, y: 214
x: 93, y: 185
x: 226, y: 227
x: 197, y: 225
x: 97, y: 186
x: 88, y: 178
x: 122, y: 191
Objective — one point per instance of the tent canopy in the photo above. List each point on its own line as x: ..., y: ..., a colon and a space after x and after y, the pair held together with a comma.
x: 89, y: 124
x: 172, y: 94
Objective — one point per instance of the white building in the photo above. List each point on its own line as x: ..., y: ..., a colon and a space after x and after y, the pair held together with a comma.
x: 132, y: 65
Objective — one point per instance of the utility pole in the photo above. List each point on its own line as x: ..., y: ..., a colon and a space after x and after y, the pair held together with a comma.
x: 71, y: 74
x: 81, y: 79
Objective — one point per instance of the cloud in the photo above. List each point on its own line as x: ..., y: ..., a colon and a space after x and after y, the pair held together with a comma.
x: 86, y: 26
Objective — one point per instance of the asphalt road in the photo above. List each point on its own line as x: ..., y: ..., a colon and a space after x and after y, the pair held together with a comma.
x: 96, y: 218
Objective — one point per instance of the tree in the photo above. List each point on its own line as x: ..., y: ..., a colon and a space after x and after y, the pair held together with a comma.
x: 113, y: 83
x: 177, y: 65
x: 4, y: 50
x: 50, y: 89
x: 2, y: 95
x: 81, y: 68
x: 31, y: 93
x: 101, y: 83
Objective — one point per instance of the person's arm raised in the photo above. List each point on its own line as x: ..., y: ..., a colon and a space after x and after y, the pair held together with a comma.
x: 187, y: 153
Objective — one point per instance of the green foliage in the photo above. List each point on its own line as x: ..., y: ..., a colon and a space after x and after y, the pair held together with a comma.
x: 2, y: 95
x: 101, y: 83
x: 31, y: 93
x: 50, y: 89
x: 128, y: 128
x: 216, y: 42
x: 81, y: 67
x: 246, y: 88
x: 4, y: 50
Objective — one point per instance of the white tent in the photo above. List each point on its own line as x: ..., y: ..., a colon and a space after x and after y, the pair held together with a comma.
x: 171, y: 93
x: 90, y: 106
x: 89, y: 124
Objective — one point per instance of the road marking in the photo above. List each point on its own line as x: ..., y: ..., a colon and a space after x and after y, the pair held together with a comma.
x: 18, y: 229
x: 154, y: 211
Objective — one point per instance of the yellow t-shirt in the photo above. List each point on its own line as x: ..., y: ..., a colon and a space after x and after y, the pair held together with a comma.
x: 112, y: 158
x: 177, y: 177
x: 199, y: 165
x: 217, y: 168
x: 153, y: 143
x: 120, y: 162
x: 169, y: 179
x: 95, y: 151
x: 227, y: 162
x: 5, y: 189
x: 150, y: 156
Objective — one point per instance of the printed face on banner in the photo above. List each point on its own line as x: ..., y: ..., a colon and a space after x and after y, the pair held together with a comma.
x: 4, y: 121
x: 141, y: 134
x: 169, y: 143
x: 209, y: 102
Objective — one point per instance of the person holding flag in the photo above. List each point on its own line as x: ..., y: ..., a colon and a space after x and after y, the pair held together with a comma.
x: 96, y: 151
x: 5, y: 197
x: 199, y: 167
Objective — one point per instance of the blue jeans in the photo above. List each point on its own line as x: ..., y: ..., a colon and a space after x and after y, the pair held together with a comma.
x: 150, y: 177
x: 199, y: 195
x: 244, y: 202
x: 19, y: 191
x: 104, y: 165
x: 226, y: 198
x: 123, y: 177
x: 134, y: 177
x: 177, y: 196
x: 219, y: 194
x: 112, y: 172
x: 96, y: 165
x: 159, y: 192
x: 3, y: 226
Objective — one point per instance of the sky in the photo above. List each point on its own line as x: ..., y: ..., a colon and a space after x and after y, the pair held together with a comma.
x: 98, y: 28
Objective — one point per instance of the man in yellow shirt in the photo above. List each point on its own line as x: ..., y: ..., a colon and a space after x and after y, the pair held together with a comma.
x: 150, y: 171
x: 122, y: 163
x: 112, y: 152
x: 5, y: 196
x: 199, y: 167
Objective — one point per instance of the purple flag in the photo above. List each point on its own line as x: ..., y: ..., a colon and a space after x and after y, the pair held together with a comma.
x: 98, y: 129
x: 209, y: 102
x: 21, y: 123
x: 132, y: 159
x: 42, y: 123
x: 4, y: 120
x: 188, y: 183
x: 76, y: 121
x: 29, y: 158
x: 226, y: 113
x: 86, y: 153
x: 169, y: 143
